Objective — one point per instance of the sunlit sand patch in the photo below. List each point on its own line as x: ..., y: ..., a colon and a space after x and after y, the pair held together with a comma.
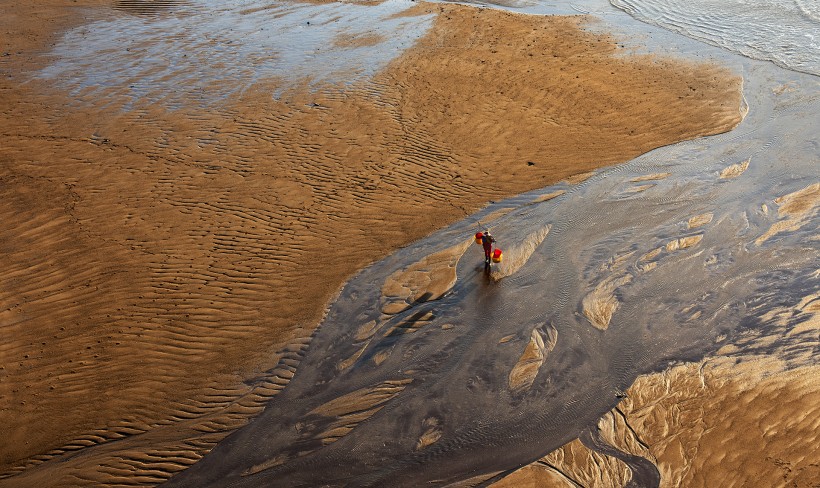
x: 392, y: 307
x: 651, y: 177
x: 681, y: 417
x: 648, y: 261
x: 427, y: 279
x: 652, y: 254
x: 357, y: 40
x: 572, y: 465
x: 526, y: 369
x: 580, y: 178
x: 700, y: 220
x: 270, y: 463
x: 617, y: 432
x: 346, y: 423
x: 144, y: 7
x: 549, y: 196
x: 471, y: 482
x: 506, y: 339
x: 363, y: 399
x: 796, y: 209
x: 366, y: 330
x: 535, y: 475
x: 348, y: 411
x: 599, y: 305
x: 638, y: 189
x: 735, y: 170
x: 352, y: 359
x: 362, y: 339
x: 476, y: 64
x: 810, y: 303
x: 810, y: 306
x: 689, y: 413
x: 196, y: 426
x: 492, y: 216
x: 516, y: 256
x: 693, y: 313
x: 432, y: 433
x: 381, y: 356
x: 683, y: 242
x: 616, y: 262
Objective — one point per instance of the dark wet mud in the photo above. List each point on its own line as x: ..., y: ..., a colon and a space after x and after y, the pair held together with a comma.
x: 666, y: 259
x: 429, y: 371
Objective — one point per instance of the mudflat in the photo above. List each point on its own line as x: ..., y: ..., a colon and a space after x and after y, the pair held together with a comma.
x: 156, y: 256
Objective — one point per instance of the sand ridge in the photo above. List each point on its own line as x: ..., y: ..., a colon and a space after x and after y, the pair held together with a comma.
x: 561, y: 93
x: 680, y: 417
x: 693, y: 420
x: 157, y: 257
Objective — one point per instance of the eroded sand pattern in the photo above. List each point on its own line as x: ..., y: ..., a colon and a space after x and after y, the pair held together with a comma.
x: 174, y: 232
x: 518, y: 370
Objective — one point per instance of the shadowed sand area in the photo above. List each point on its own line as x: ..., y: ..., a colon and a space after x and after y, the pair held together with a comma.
x: 168, y: 255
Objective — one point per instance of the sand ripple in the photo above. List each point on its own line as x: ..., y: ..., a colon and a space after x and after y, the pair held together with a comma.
x: 173, y: 232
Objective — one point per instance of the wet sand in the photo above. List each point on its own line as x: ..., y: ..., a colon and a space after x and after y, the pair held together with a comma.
x: 158, y: 259
x: 695, y: 422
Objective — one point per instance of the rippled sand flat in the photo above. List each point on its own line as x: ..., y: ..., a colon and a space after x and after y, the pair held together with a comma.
x: 171, y: 240
x: 503, y: 369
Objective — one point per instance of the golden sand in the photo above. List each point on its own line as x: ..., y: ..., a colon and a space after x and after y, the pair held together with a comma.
x: 696, y: 425
x: 526, y: 369
x: 147, y: 275
x: 695, y: 421
x: 796, y: 210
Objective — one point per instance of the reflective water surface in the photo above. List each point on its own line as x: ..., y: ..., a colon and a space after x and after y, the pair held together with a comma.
x: 784, y: 32
x: 201, y: 50
x: 460, y: 373
x: 668, y: 258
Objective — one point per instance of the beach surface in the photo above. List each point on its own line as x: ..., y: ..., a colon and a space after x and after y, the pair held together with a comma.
x: 176, y: 231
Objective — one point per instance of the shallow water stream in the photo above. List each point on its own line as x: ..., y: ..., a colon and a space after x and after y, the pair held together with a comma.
x: 428, y: 370
x: 668, y: 258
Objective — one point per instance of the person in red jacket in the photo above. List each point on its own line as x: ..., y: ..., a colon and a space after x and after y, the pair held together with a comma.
x: 487, y: 241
